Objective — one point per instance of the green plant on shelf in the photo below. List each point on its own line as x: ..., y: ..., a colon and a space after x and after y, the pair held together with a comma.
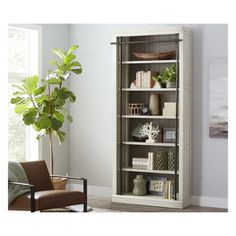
x: 167, y: 76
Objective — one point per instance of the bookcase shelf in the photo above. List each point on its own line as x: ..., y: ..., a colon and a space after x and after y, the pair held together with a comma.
x: 167, y: 172
x: 150, y: 62
x: 149, y: 90
x: 147, y: 117
x: 131, y: 154
x: 148, y: 144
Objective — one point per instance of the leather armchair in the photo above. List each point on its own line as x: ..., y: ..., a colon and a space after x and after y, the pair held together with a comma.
x: 42, y: 194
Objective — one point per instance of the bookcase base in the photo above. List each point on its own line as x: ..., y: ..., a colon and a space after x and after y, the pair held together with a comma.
x: 150, y: 200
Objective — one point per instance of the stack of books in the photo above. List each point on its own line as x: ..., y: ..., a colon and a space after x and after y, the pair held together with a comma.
x: 143, y: 79
x: 143, y: 163
x: 169, y: 109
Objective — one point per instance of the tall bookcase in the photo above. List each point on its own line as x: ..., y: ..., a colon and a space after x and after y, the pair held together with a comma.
x: 160, y: 40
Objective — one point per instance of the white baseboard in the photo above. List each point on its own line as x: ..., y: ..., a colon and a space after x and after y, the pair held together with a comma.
x: 209, y: 201
x: 106, y: 192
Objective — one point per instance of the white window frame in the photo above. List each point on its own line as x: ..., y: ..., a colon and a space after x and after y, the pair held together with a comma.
x: 30, y: 134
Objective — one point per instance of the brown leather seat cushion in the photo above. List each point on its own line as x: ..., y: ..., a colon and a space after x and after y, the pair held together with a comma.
x: 49, y: 199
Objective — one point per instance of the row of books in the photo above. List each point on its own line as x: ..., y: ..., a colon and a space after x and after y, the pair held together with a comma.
x: 143, y: 79
x: 143, y: 163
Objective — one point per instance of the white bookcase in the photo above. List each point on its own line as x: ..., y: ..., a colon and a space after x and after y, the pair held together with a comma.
x: 156, y: 41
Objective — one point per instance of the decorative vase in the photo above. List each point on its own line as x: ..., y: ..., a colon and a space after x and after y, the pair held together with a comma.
x: 171, y: 159
x: 154, y: 104
x: 139, y: 186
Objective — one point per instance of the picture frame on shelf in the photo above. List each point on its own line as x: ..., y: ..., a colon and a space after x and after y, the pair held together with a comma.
x: 169, y: 135
x: 156, y: 185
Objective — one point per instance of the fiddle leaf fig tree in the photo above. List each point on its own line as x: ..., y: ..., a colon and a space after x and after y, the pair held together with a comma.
x: 42, y: 103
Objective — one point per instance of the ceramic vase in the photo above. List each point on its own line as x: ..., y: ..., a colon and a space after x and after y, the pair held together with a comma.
x: 139, y: 186
x: 154, y: 104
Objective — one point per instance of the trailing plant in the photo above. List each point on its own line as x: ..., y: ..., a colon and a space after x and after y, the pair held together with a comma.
x: 42, y: 103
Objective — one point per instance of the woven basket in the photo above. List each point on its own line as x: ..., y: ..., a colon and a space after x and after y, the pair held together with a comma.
x: 59, y: 183
x: 135, y: 108
x: 155, y: 55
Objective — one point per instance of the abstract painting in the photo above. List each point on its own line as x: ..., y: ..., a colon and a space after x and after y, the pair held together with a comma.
x: 218, y: 97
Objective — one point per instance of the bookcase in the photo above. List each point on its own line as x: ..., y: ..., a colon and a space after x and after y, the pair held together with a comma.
x: 148, y: 54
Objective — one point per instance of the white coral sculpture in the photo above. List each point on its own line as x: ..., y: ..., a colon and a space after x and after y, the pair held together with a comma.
x: 151, y: 131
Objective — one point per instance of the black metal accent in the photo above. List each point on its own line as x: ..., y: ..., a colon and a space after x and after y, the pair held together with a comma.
x: 32, y: 193
x: 85, y: 188
x: 32, y: 199
x: 147, y: 41
x: 121, y: 101
x: 85, y: 192
x: 176, y: 121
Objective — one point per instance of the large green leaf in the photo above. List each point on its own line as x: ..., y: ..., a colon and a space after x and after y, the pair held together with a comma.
x: 39, y: 90
x: 30, y: 84
x: 41, y: 99
x: 21, y: 108
x: 59, y: 53
x: 54, y: 81
x: 29, y: 117
x: 77, y: 71
x: 60, y: 102
x: 72, y: 97
x: 58, y: 116
x: 75, y: 63
x: 43, y: 123
x: 73, y: 48
x: 56, y: 124
x: 60, y: 135
x: 17, y: 93
x: 17, y: 100
x: 63, y: 93
x: 69, y: 58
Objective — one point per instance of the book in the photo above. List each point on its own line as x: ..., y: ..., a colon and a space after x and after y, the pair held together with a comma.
x: 138, y: 79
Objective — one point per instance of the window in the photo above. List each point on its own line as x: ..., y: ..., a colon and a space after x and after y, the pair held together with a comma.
x: 23, y: 60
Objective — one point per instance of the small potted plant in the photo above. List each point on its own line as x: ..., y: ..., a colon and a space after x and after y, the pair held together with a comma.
x: 159, y: 81
x: 167, y: 78
x: 169, y: 75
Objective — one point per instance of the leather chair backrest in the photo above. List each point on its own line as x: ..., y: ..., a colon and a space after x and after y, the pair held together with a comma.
x: 38, y: 175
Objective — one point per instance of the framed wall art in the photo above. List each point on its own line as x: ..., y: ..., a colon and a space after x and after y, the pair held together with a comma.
x: 218, y: 98
x: 169, y: 135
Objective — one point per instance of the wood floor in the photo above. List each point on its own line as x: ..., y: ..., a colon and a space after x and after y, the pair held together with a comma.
x: 112, y: 206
